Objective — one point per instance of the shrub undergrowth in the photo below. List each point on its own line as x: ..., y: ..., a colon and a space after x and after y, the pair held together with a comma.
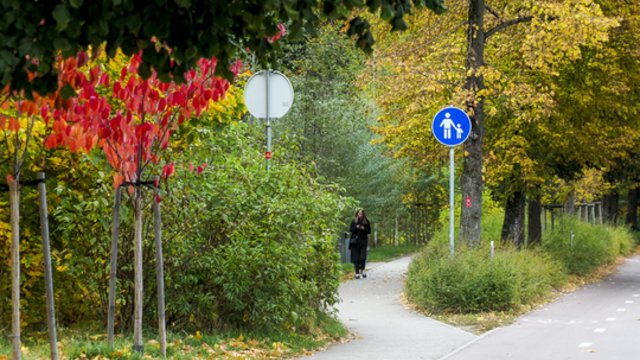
x: 470, y: 281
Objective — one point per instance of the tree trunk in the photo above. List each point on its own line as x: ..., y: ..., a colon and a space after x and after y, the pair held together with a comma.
x: 471, y: 180
x: 14, y: 203
x: 137, y: 282
x: 570, y: 204
x: 162, y: 328
x: 48, y: 276
x: 610, y: 208
x: 535, y: 225
x: 513, y: 226
x: 632, y: 209
x: 395, y: 229
x: 113, y: 270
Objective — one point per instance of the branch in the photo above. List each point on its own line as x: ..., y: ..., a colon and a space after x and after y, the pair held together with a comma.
x: 505, y: 24
x: 493, y: 12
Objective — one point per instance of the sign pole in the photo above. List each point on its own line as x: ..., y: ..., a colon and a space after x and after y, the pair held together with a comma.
x: 451, y: 190
x: 451, y: 126
x: 268, y: 95
x: 268, y: 153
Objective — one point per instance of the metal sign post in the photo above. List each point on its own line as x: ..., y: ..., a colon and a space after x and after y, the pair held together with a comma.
x: 268, y: 95
x: 451, y: 126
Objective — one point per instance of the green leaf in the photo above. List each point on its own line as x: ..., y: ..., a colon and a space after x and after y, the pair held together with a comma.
x: 62, y: 17
x: 67, y: 92
x: 76, y: 3
x: 184, y: 3
x: 62, y: 44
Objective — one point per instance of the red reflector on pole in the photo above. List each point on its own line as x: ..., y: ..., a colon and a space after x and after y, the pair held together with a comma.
x: 267, y: 155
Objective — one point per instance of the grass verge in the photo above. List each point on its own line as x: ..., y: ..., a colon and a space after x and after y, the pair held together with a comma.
x: 81, y: 344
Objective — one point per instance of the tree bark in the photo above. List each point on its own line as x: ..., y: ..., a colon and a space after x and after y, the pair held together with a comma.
x: 570, y: 204
x: 535, y: 225
x: 610, y: 208
x: 471, y: 179
x: 48, y: 276
x: 513, y: 225
x: 137, y: 282
x: 113, y: 270
x: 632, y: 209
x: 14, y: 203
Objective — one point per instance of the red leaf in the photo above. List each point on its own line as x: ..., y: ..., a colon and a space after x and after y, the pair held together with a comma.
x: 105, y: 113
x: 168, y: 170
x: 200, y: 169
x: 83, y: 59
x: 14, y: 124
x: 158, y: 199
x: 104, y: 80
x: 117, y: 180
x: 93, y: 103
x: 162, y: 104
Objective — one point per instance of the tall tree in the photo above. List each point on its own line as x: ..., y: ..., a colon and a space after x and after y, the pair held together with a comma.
x: 331, y: 119
x: 542, y: 33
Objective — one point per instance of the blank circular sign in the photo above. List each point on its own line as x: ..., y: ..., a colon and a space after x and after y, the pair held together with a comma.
x: 279, y: 94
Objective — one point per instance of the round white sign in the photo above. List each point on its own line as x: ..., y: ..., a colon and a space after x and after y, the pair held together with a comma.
x: 270, y: 102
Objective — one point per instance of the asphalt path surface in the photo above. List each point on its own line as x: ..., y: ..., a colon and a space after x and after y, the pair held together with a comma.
x: 599, y: 321
x: 385, y: 329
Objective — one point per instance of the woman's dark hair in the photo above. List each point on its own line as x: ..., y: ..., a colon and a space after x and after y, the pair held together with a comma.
x: 364, y: 216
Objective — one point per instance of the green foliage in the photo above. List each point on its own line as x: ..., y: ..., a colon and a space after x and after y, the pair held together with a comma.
x: 331, y: 118
x: 244, y: 248
x: 191, y: 29
x: 472, y: 282
x: 389, y: 252
x: 592, y: 246
x: 265, y: 241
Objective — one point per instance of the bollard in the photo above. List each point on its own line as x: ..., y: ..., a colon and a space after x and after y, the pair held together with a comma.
x: 492, y: 250
x: 571, y: 239
x: 345, y: 253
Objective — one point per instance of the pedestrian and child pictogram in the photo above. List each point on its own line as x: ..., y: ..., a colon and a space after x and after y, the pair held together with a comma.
x: 451, y: 126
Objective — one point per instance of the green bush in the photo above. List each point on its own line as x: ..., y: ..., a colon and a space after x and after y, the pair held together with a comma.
x: 591, y: 247
x: 243, y: 247
x: 470, y: 281
x: 256, y: 249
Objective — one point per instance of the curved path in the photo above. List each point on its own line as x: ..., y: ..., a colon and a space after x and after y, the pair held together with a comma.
x: 599, y: 321
x: 383, y: 327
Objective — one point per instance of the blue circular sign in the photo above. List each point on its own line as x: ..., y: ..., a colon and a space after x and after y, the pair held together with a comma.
x: 451, y: 126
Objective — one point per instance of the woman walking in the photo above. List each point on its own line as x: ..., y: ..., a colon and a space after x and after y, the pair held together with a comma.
x: 360, y: 230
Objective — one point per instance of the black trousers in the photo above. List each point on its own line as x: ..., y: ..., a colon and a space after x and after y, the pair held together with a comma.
x: 359, y: 265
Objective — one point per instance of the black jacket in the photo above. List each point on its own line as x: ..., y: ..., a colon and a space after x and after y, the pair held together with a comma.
x: 359, y: 250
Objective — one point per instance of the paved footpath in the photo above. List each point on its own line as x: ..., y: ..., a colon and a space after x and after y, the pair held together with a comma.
x: 599, y: 321
x: 383, y: 327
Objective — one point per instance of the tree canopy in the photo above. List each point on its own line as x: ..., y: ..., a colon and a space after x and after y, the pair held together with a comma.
x: 33, y: 33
